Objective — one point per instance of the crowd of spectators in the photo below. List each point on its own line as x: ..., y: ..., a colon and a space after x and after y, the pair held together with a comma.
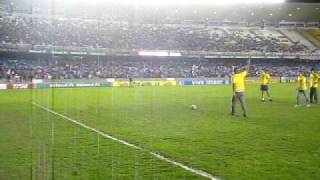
x: 127, y: 36
x: 25, y: 70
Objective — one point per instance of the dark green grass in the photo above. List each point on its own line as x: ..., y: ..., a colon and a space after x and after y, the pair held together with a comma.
x: 37, y: 145
x: 276, y: 141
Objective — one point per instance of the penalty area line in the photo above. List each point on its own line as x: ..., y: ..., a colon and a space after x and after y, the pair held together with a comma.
x: 155, y: 154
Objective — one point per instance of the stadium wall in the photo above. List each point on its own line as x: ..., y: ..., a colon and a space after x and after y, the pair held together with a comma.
x: 82, y: 83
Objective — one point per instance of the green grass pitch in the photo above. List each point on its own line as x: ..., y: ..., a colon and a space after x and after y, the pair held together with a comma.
x: 276, y: 141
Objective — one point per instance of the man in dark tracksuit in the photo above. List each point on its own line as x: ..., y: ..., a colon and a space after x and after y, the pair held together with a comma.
x: 314, y: 81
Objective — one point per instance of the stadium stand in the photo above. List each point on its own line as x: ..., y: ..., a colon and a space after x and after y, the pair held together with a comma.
x: 116, y: 35
x: 129, y: 31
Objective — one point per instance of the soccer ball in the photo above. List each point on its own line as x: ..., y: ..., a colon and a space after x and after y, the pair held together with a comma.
x: 194, y: 107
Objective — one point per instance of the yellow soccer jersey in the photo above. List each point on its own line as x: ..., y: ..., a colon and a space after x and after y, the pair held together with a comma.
x: 238, y: 81
x: 302, y: 82
x: 314, y: 80
x: 265, y: 78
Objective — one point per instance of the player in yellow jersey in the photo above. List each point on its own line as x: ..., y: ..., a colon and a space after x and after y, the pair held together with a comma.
x: 314, y: 82
x: 238, y: 89
x: 265, y: 81
x: 302, y: 88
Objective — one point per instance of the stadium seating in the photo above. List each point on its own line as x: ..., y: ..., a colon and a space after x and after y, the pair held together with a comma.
x: 123, y: 35
x: 295, y: 36
x: 91, y: 33
x: 311, y: 35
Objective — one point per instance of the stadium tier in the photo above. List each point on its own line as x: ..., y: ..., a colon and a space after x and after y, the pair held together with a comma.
x: 123, y: 35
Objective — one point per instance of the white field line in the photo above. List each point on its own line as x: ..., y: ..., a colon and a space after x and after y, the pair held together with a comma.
x: 155, y: 154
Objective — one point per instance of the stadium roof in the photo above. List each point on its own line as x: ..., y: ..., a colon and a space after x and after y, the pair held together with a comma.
x: 304, y: 1
x: 243, y: 12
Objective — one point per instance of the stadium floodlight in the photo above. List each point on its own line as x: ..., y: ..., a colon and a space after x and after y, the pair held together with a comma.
x: 180, y: 2
x: 153, y: 53
x: 174, y: 54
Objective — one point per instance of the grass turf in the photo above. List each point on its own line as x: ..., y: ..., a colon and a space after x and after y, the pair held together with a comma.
x: 276, y: 141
